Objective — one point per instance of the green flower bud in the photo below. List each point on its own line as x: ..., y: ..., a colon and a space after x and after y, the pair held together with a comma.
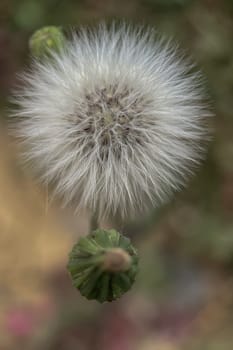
x: 46, y: 40
x: 103, y: 265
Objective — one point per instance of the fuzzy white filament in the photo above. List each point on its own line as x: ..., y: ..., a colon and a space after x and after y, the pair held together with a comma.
x: 114, y: 121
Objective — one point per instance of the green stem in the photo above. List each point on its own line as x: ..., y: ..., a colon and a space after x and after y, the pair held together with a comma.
x: 94, y: 224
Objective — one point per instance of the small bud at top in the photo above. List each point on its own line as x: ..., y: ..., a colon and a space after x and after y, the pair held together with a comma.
x: 46, y: 40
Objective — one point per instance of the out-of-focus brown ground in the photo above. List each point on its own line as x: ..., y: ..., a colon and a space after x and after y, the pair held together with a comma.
x: 32, y: 241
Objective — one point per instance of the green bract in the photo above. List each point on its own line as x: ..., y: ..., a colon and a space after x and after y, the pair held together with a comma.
x: 103, y: 265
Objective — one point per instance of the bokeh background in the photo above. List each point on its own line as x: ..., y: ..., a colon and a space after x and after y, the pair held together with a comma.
x: 183, y: 297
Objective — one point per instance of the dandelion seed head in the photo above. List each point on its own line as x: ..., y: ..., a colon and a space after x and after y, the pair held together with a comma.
x: 115, y: 121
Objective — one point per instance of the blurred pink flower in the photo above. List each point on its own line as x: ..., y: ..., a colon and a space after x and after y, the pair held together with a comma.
x: 20, y: 323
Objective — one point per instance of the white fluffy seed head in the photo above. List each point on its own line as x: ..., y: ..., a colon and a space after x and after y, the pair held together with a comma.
x: 115, y: 121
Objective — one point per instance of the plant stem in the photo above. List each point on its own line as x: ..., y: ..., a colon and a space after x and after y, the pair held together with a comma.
x: 94, y: 223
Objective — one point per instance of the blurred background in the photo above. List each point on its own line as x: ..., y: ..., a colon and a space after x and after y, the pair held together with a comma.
x: 183, y: 297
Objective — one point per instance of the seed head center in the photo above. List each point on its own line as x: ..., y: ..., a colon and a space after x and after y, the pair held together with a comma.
x: 109, y: 119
